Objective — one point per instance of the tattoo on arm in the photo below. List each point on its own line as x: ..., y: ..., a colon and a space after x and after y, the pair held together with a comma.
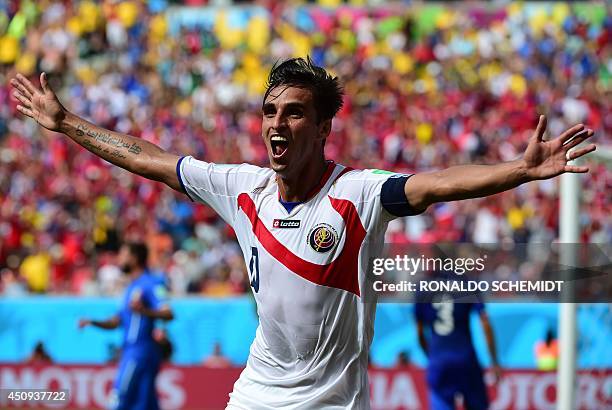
x: 114, y: 142
x: 116, y: 153
x: 130, y: 153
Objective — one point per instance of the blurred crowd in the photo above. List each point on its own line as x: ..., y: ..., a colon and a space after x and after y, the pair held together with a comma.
x: 427, y: 87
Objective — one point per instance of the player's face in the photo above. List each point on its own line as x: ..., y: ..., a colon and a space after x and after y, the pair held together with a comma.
x: 125, y: 260
x: 290, y: 129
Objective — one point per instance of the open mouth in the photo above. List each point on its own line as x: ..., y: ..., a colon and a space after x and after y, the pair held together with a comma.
x: 279, y: 145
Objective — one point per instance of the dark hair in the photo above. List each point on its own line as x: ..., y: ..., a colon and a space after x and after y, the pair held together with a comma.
x: 550, y: 336
x: 326, y: 90
x: 140, y: 251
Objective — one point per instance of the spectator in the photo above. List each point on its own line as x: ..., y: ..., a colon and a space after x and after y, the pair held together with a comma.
x: 39, y: 355
x: 216, y: 360
x: 425, y: 90
x: 12, y: 285
x: 403, y: 360
x: 547, y: 352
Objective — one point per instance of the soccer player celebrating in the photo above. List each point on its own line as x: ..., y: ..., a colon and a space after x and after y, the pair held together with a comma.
x: 306, y: 226
x: 453, y: 368
x: 144, y: 302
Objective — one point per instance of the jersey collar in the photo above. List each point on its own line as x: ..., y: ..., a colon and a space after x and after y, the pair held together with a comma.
x: 331, y: 165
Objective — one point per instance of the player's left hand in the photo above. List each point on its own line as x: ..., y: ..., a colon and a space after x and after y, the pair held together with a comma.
x: 547, y: 159
x: 159, y: 334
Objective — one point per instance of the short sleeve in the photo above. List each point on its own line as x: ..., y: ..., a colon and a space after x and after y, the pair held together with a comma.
x: 156, y: 295
x: 393, y: 196
x: 364, y: 189
x: 218, y: 185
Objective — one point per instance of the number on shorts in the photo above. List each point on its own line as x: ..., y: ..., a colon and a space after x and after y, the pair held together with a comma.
x: 254, y: 269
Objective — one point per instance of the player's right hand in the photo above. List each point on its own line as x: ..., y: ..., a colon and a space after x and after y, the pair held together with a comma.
x: 497, y: 373
x: 40, y: 104
x: 83, y: 323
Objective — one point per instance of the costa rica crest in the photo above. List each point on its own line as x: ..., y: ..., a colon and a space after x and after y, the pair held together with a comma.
x: 322, y: 238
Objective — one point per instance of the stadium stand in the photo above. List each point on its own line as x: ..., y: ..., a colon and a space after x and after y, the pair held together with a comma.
x: 427, y: 87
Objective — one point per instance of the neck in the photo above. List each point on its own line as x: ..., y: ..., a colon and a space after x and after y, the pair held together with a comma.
x: 136, y: 273
x: 296, y: 188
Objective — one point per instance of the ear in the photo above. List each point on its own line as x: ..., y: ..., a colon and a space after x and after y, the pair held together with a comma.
x: 325, y: 128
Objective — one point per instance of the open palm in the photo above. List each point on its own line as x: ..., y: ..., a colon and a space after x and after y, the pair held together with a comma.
x: 40, y: 104
x: 547, y: 159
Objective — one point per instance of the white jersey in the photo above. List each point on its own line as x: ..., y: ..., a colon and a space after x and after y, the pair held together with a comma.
x: 308, y: 275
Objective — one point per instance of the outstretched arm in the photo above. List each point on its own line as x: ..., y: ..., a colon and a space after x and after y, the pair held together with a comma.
x: 109, y: 324
x: 542, y: 160
x: 131, y: 153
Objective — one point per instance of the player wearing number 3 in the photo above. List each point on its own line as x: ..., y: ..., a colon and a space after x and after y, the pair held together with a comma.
x: 453, y: 369
x: 307, y: 227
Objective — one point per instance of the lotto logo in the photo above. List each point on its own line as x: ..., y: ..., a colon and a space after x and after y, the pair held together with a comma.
x: 286, y: 223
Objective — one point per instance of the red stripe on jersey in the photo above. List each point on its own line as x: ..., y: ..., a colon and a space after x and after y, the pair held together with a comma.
x: 342, y: 273
x: 330, y: 168
x: 344, y: 171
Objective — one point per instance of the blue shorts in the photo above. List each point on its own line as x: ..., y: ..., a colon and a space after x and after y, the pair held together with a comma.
x: 469, y: 385
x: 134, y: 388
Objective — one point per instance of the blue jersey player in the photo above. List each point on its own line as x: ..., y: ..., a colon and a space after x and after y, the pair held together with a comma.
x: 145, y: 301
x: 453, y: 369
